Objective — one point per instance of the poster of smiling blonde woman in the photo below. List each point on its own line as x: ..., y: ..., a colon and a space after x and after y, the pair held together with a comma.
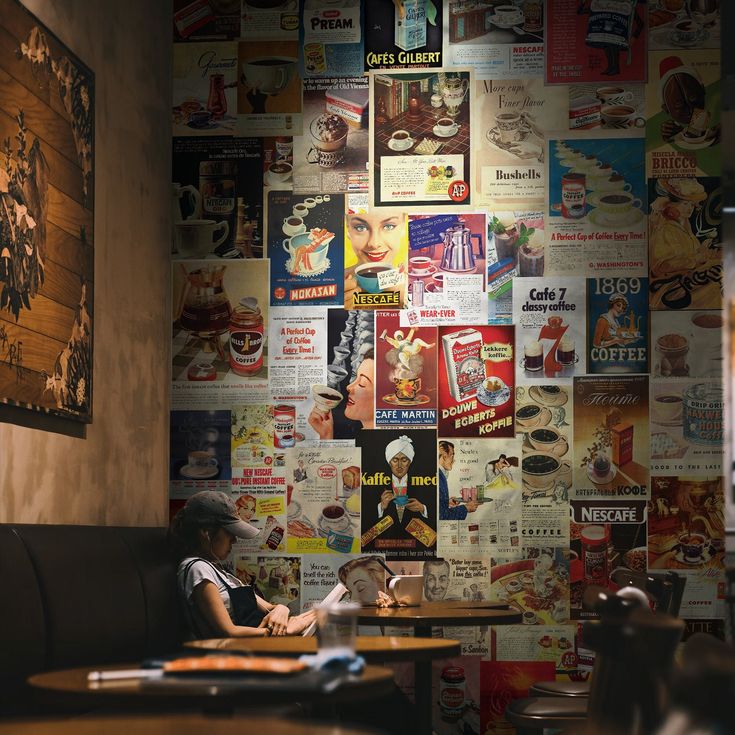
x: 376, y: 248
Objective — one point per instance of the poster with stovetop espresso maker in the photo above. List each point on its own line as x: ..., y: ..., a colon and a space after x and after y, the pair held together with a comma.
x: 306, y: 246
x: 596, y: 204
x: 399, y: 492
x: 549, y: 315
x: 476, y: 381
x: 611, y: 437
x: 421, y: 139
x: 217, y: 198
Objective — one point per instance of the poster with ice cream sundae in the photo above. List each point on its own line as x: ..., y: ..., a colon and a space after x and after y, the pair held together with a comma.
x: 611, y: 438
x: 323, y: 497
x: 405, y: 374
x: 596, y: 205
x: 305, y: 245
x: 550, y: 329
x: 683, y: 131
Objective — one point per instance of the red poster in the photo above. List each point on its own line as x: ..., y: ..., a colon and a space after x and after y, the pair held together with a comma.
x: 601, y: 41
x: 476, y: 381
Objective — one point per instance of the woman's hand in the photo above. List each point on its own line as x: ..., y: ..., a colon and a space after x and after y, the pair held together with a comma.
x: 386, y: 498
x: 322, y: 423
x: 277, y: 620
x: 299, y: 623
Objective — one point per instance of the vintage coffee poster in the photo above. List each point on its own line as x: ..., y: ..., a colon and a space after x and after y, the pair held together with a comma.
x: 331, y: 39
x: 683, y: 114
x: 512, y: 120
x: 305, y: 246
x: 269, y: 89
x: 376, y: 247
x: 219, y: 349
x: 685, y: 530
x: 685, y: 243
x: 323, y: 495
x: 611, y: 437
x: 608, y: 106
x: 446, y: 269
x: 605, y: 535
x: 687, y: 344
x: 217, y: 195
x: 277, y: 163
x: 476, y: 381
x: 479, y: 496
x: 595, y: 41
x: 200, y: 452
x: 205, y: 22
x: 596, y: 214
x: 332, y: 154
x: 269, y: 20
x: 458, y: 710
x: 340, y: 408
x: 550, y: 329
x: 505, y: 41
x: 420, y: 139
x: 276, y: 578
x: 515, y: 248
x: 674, y: 24
x: 536, y: 583
x: 687, y: 426
x: 205, y: 88
x: 617, y: 325
x: 523, y: 643
x: 405, y: 375
x: 399, y: 492
x: 403, y: 35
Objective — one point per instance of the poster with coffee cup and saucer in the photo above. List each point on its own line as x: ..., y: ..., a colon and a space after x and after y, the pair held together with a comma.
x: 611, y: 436
x: 596, y: 204
x: 550, y: 329
x: 608, y: 106
x: 677, y: 24
x: 324, y: 506
x: 687, y: 344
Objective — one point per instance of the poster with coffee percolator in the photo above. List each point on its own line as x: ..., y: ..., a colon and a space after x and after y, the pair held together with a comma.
x: 405, y: 372
x: 611, y: 437
x: 219, y: 347
x: 323, y: 496
x: 399, y: 491
x: 476, y: 381
x: 550, y: 329
x: 596, y: 205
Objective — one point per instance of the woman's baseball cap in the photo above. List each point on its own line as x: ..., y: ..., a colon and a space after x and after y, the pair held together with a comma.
x: 215, y: 508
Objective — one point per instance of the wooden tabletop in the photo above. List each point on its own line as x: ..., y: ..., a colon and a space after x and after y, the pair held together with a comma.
x: 72, y: 685
x: 173, y: 725
x: 375, y: 649
x: 441, y: 614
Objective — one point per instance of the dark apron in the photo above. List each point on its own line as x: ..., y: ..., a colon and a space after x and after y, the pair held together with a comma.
x: 242, y: 601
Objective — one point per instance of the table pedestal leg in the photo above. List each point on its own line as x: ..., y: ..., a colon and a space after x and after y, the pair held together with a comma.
x: 423, y: 695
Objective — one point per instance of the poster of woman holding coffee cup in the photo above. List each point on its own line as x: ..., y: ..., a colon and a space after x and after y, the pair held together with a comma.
x: 596, y: 41
x: 324, y: 503
x: 617, y: 325
x: 376, y: 244
x: 421, y: 142
x: 405, y: 387
x: 550, y: 329
x: 305, y: 245
x: 399, y: 490
x: 596, y: 210
x: 683, y: 114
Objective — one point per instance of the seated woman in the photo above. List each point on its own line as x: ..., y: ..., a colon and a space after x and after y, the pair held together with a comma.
x: 216, y: 603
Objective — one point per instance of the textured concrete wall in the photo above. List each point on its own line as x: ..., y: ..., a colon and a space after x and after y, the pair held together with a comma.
x: 118, y: 473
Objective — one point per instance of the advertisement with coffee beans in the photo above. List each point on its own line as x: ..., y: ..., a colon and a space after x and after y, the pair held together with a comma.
x: 306, y: 246
x: 685, y: 242
x: 596, y: 209
x: 611, y: 437
x: 399, y: 491
x: 617, y: 325
x: 595, y: 41
x: 405, y: 373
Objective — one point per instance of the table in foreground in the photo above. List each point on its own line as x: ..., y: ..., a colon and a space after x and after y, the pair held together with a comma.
x: 210, y: 693
x: 178, y: 724
x: 440, y: 614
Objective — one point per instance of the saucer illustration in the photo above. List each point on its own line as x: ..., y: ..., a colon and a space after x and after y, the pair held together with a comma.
x: 421, y: 274
x: 437, y: 131
x: 706, y: 556
x: 527, y: 417
x: 400, y: 147
x: 495, y: 397
x: 193, y: 472
x: 599, y: 219
x: 608, y: 477
x: 548, y: 395
x: 420, y: 400
x: 339, y: 527
x: 694, y: 144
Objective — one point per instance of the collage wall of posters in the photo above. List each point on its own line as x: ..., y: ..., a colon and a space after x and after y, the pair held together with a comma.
x: 448, y: 293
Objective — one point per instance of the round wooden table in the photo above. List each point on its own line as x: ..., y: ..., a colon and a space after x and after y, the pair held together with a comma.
x: 173, y: 725
x: 430, y: 614
x: 374, y: 649
x: 213, y: 694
